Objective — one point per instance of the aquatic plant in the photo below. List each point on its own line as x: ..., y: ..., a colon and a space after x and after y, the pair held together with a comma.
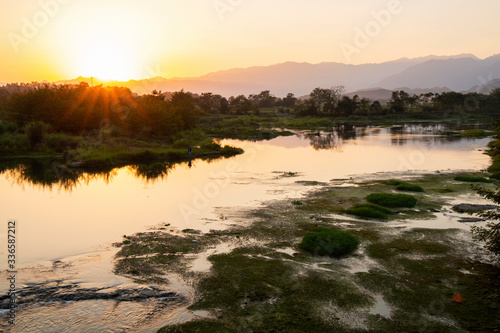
x: 409, y: 188
x: 369, y: 210
x: 472, y: 179
x: 329, y: 243
x: 392, y: 200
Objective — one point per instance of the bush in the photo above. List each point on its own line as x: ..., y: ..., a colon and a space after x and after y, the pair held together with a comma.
x: 13, y: 144
x: 7, y: 127
x: 490, y: 233
x: 369, y: 210
x: 60, y: 142
x: 36, y: 132
x: 392, y: 200
x: 472, y: 179
x: 475, y: 133
x: 409, y: 188
x: 329, y: 242
x: 392, y: 182
x: 402, y: 186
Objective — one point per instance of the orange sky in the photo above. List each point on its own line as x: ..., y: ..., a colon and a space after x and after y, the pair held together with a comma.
x: 124, y: 39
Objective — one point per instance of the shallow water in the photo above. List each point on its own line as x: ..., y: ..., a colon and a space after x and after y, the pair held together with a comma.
x: 76, y: 223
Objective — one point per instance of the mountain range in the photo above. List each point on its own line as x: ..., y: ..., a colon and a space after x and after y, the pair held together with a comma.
x: 427, y: 74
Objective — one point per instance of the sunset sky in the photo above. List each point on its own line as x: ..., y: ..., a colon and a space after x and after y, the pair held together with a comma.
x: 125, y: 39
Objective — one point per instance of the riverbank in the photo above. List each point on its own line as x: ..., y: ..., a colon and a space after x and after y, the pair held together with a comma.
x: 403, y: 277
x: 101, y: 152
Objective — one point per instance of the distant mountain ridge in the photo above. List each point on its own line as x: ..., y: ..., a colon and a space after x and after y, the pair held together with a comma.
x: 457, y: 73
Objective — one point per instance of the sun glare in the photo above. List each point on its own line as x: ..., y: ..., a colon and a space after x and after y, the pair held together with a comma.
x: 108, y: 42
x: 106, y: 60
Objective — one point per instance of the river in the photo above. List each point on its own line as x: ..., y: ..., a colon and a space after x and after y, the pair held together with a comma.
x: 66, y: 228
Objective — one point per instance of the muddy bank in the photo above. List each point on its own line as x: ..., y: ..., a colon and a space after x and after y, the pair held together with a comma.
x: 417, y: 270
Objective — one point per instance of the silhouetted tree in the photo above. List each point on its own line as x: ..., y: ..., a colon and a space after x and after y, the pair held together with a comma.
x: 240, y: 104
x: 289, y: 101
x: 376, y: 108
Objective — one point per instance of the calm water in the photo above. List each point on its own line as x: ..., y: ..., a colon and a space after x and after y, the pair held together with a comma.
x: 63, y: 214
x: 93, y: 211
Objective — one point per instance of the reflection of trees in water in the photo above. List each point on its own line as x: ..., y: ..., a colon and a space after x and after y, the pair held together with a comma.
x: 335, y: 139
x: 422, y: 133
x: 150, y: 173
x: 325, y: 141
x: 47, y: 173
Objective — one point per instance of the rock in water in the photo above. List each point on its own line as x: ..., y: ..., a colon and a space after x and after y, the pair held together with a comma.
x: 463, y: 208
x: 471, y: 220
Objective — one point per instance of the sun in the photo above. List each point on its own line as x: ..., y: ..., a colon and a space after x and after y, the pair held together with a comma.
x: 105, y: 41
x: 107, y: 59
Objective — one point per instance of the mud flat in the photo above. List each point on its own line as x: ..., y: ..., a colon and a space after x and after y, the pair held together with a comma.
x: 417, y: 269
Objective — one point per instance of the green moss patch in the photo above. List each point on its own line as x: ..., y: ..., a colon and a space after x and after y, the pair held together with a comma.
x: 472, y: 179
x: 409, y: 188
x: 392, y: 200
x: 369, y: 210
x: 329, y: 243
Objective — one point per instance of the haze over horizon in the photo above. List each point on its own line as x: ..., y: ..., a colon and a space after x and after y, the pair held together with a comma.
x: 63, y: 39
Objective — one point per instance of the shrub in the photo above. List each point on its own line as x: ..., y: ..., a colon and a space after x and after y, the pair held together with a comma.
x: 402, y: 186
x: 36, y: 132
x: 490, y: 233
x: 445, y: 190
x: 475, y: 133
x: 409, y: 188
x: 60, y: 142
x: 7, y: 127
x: 13, y: 144
x: 472, y: 179
x: 329, y: 242
x: 392, y: 182
x: 392, y: 200
x: 369, y: 210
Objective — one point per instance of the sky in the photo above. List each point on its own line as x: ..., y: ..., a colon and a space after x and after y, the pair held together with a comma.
x: 131, y: 39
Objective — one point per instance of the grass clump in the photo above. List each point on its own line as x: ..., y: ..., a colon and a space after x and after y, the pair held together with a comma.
x: 409, y: 188
x: 392, y: 200
x: 197, y: 326
x: 329, y: 243
x: 403, y: 186
x: 392, y: 182
x: 369, y: 210
x: 475, y: 133
x: 472, y: 179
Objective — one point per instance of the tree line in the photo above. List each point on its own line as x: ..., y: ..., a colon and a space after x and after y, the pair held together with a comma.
x: 77, y: 108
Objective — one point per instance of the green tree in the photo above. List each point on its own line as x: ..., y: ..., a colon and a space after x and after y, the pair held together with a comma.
x: 346, y: 106
x: 212, y: 103
x: 36, y: 132
x: 376, y: 108
x: 264, y: 99
x: 325, y: 100
x: 240, y: 104
x: 399, y: 101
x: 289, y: 101
x: 490, y: 234
x: 183, y: 104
